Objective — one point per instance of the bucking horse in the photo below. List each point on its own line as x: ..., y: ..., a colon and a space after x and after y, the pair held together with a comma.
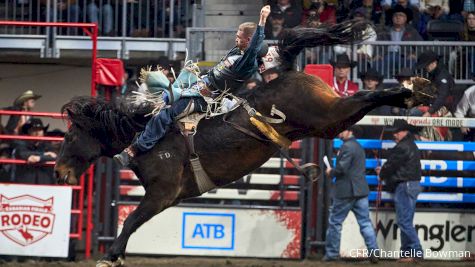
x: 227, y: 153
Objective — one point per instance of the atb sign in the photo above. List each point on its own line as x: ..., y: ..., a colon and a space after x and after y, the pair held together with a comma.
x: 208, y: 230
x: 34, y: 220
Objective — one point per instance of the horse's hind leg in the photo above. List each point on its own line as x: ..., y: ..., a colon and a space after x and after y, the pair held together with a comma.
x: 153, y: 203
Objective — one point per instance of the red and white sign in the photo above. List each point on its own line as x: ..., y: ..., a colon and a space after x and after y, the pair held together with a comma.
x: 218, y: 232
x: 34, y: 220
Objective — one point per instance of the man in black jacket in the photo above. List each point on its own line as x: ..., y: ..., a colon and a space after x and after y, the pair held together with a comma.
x: 402, y: 175
x: 35, y: 153
x: 350, y: 193
x: 444, y: 82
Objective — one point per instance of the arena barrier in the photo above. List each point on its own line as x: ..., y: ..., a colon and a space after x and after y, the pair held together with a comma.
x: 444, y: 217
x: 240, y: 219
x: 33, y: 218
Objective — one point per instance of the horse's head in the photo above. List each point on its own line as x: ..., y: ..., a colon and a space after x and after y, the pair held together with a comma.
x: 78, y: 151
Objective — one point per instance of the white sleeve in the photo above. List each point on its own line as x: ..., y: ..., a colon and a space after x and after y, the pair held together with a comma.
x: 462, y: 107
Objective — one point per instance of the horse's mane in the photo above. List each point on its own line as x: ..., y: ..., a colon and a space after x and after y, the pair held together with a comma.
x: 294, y: 40
x: 120, y: 117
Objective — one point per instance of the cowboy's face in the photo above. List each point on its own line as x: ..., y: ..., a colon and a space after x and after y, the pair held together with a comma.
x: 242, y: 41
x: 29, y: 104
x: 269, y: 76
x: 345, y: 135
x: 471, y: 20
x: 430, y: 67
x: 370, y: 83
x: 398, y: 136
x: 342, y: 72
x: 399, y: 19
x: 36, y: 132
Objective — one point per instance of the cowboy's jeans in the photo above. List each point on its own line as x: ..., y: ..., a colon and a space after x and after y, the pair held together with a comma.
x: 338, y: 213
x: 159, y: 124
x: 405, y: 197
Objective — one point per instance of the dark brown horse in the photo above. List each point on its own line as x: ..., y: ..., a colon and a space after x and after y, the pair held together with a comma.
x: 312, y: 110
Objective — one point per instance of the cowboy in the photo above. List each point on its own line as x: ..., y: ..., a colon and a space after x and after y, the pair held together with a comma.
x: 341, y: 84
x: 402, y: 174
x: 34, y: 152
x: 350, y: 193
x: 25, y: 102
x: 238, y: 65
x: 372, y: 79
x: 441, y: 78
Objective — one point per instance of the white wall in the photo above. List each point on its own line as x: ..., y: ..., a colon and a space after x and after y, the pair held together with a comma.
x: 56, y: 83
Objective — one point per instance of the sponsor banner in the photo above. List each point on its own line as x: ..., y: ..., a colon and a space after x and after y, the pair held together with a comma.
x: 422, y: 145
x: 443, y: 236
x: 419, y: 121
x: 218, y: 232
x: 34, y: 220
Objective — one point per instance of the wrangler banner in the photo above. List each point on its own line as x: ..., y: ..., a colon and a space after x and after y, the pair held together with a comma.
x: 443, y: 235
x: 34, y: 219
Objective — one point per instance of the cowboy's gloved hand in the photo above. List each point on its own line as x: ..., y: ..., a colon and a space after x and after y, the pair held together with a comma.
x: 265, y: 11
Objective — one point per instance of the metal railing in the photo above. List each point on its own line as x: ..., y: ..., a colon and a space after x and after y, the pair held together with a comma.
x: 210, y: 44
x: 132, y: 18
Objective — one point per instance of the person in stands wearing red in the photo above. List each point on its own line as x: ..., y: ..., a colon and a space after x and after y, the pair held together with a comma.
x: 341, y: 84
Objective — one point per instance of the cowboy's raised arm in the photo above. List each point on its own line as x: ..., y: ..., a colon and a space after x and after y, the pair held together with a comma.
x: 255, y: 44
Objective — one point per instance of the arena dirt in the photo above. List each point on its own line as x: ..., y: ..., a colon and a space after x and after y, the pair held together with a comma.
x: 226, y: 262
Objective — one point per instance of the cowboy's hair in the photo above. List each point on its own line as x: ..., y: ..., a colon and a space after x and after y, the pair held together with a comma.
x: 248, y: 28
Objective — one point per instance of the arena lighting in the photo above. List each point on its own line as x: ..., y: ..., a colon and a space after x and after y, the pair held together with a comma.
x: 91, y: 30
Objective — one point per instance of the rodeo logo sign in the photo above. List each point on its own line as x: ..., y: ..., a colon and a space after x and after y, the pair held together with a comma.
x: 26, y: 219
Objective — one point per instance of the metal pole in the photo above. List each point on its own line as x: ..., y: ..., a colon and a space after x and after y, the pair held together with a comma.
x: 89, y: 224
x: 172, y: 14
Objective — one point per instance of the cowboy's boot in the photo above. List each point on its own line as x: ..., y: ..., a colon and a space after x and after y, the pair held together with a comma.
x: 124, y: 157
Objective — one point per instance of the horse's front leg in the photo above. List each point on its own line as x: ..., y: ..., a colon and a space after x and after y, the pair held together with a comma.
x: 152, y: 204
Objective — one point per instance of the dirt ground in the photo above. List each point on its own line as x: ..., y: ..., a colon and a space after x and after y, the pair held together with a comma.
x: 228, y: 262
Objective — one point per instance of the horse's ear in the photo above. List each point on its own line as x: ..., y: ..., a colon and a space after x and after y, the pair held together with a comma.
x: 70, y: 114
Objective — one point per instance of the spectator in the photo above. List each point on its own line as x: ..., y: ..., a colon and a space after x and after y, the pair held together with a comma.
x: 292, y: 13
x: 455, y: 10
x: 399, y: 31
x: 413, y: 6
x: 469, y: 31
x: 95, y: 11
x: 25, y: 102
x: 350, y: 193
x: 466, y: 108
x: 318, y: 12
x: 442, y: 80
x: 35, y: 153
x: 373, y: 80
x: 468, y: 6
x: 404, y: 78
x: 68, y: 10
x: 5, y: 172
x: 55, y: 145
x: 432, y: 12
x: 275, y: 28
x: 402, y: 174
x: 369, y: 9
x: 341, y: 84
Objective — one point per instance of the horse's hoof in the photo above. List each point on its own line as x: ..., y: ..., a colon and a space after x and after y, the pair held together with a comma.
x: 104, y: 263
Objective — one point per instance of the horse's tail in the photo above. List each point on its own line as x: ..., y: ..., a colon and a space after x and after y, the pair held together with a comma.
x: 293, y: 41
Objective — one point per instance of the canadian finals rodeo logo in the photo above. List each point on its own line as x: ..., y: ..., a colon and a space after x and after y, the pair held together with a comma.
x: 26, y: 219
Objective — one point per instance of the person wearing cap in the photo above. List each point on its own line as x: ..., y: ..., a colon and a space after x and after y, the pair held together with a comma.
x: 341, y: 84
x: 402, y: 174
x: 370, y: 9
x: 25, y: 102
x: 275, y: 28
x: 441, y: 78
x: 35, y: 153
x: 292, y: 14
x: 350, y: 193
x: 399, y: 31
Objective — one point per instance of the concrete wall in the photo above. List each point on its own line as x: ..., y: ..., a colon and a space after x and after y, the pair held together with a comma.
x: 56, y: 83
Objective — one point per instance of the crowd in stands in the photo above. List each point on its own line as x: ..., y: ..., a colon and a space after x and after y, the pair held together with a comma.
x: 34, y: 153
